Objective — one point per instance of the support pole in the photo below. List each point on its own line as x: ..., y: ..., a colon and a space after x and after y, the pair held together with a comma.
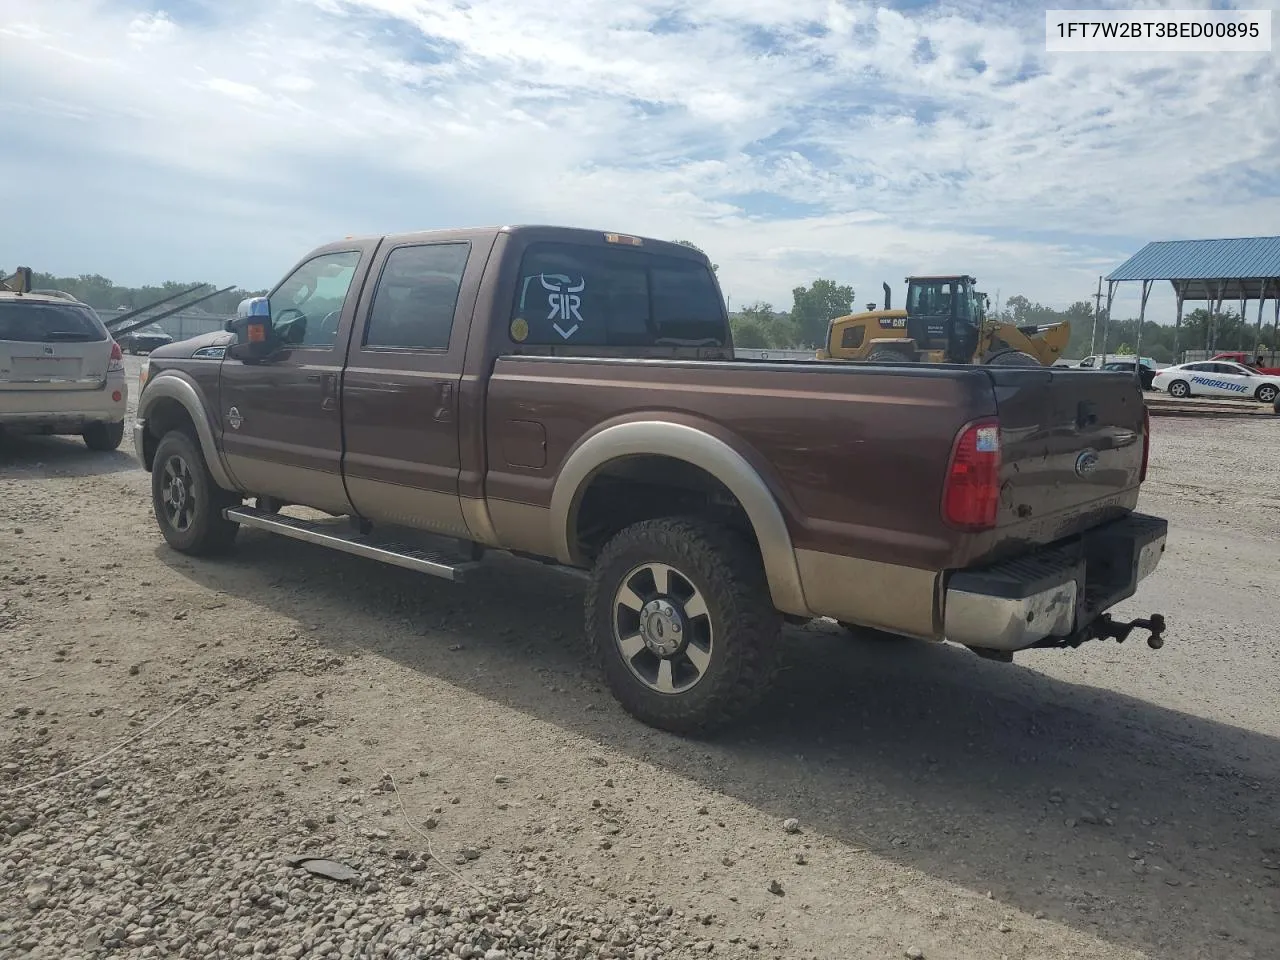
x: 1257, y: 338
x: 1275, y: 329
x: 1210, y: 327
x: 1106, y: 323
x: 1142, y: 316
x: 1097, y: 308
x: 1244, y: 301
x: 1180, y: 290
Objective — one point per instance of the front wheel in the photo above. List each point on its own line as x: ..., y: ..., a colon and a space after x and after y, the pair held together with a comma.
x: 680, y: 620
x: 188, y: 504
x: 1267, y: 393
x: 103, y: 437
x: 1179, y: 389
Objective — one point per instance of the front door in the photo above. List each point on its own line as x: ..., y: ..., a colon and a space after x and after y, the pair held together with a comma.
x: 400, y: 386
x: 280, y: 420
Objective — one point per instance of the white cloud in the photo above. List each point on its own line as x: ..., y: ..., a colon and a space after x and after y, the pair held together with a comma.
x: 787, y: 137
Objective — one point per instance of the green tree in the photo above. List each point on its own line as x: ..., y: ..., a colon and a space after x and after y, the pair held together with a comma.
x: 759, y: 327
x: 103, y: 295
x: 816, y: 305
x: 715, y: 267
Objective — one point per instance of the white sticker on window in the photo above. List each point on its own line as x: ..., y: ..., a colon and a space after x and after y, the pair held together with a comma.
x: 564, y: 302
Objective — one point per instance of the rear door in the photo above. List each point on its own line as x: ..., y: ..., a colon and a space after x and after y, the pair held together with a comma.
x: 50, y: 345
x: 400, y: 385
x: 1221, y: 379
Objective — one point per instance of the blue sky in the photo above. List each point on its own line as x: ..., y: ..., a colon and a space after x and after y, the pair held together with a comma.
x: 221, y: 139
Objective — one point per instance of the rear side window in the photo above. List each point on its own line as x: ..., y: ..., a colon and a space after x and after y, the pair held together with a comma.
x: 36, y: 322
x: 852, y: 337
x: 416, y: 297
x: 578, y: 295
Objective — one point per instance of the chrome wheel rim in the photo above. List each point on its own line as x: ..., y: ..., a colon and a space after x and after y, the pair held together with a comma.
x: 1178, y: 390
x: 1267, y: 394
x: 176, y: 498
x: 662, y: 628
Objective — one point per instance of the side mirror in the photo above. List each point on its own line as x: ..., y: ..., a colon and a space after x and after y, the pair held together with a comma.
x: 252, y: 327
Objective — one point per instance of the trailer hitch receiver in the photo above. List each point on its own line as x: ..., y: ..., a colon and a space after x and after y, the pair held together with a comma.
x: 1105, y: 628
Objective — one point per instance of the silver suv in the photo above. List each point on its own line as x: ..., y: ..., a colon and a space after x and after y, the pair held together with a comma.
x: 60, y: 370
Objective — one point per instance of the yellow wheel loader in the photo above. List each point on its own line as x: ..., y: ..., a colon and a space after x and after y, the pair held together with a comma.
x: 945, y: 321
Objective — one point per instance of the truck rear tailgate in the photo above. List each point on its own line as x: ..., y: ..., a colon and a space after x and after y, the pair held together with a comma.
x: 1071, y: 452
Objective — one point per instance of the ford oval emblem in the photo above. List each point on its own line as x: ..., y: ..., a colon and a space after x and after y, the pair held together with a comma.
x: 1086, y: 463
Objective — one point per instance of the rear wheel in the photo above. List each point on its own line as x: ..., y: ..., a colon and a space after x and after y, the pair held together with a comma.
x: 1179, y: 389
x: 188, y: 504
x: 1013, y: 358
x: 1267, y: 393
x: 680, y: 620
x: 103, y: 436
x: 887, y: 355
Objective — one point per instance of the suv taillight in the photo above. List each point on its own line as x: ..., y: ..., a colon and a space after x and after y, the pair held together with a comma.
x: 116, y: 363
x: 1146, y: 442
x: 971, y: 496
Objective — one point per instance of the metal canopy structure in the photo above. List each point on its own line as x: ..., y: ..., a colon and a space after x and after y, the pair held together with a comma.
x: 1215, y: 271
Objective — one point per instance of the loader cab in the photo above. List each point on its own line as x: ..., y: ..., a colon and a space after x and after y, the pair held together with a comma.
x: 944, y: 314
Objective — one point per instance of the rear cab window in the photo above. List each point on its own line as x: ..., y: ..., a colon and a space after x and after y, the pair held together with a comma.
x: 40, y: 321
x: 576, y: 295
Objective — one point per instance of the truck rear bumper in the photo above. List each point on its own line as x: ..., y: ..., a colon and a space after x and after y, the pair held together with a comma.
x: 1054, y: 593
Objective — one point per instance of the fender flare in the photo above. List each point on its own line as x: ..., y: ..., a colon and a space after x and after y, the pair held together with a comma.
x: 173, y: 386
x: 700, y: 449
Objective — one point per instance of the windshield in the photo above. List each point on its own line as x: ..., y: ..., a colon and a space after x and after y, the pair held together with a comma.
x: 35, y: 321
x: 944, y: 298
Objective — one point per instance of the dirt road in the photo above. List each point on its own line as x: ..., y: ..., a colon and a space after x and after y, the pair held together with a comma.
x: 453, y: 745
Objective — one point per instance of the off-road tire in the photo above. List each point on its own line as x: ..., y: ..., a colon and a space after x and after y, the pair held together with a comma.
x: 1266, y: 393
x: 885, y: 355
x: 208, y: 531
x: 1013, y: 358
x: 726, y: 569
x: 103, y: 437
x: 1179, y: 389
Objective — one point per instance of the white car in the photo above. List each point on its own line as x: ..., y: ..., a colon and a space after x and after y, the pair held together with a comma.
x: 60, y: 370
x: 1217, y: 378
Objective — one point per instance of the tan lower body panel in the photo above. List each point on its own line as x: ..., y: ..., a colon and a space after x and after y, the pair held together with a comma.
x: 522, y: 526
x: 312, y: 488
x: 427, y: 510
x: 870, y: 594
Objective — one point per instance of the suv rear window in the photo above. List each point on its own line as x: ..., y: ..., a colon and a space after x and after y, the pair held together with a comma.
x: 579, y: 295
x: 36, y: 322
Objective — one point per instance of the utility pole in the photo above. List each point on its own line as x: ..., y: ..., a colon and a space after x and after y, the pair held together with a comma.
x: 1097, y: 309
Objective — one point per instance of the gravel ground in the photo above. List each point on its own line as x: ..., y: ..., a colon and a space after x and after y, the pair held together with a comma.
x: 176, y: 734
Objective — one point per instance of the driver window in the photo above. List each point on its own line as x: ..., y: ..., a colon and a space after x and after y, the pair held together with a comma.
x: 307, y: 307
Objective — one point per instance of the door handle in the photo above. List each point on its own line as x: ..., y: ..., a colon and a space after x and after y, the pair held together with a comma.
x: 328, y: 393
x: 444, y: 412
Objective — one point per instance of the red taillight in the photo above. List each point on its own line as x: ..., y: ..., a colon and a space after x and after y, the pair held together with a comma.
x: 971, y: 496
x: 1146, y: 442
x: 117, y: 358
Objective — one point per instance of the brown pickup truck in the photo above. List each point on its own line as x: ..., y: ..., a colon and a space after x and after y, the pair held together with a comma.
x: 572, y: 396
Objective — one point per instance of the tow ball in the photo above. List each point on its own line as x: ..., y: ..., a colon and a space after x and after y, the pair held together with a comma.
x: 1105, y: 628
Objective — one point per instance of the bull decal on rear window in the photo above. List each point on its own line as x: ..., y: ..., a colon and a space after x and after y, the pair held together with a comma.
x: 564, y: 302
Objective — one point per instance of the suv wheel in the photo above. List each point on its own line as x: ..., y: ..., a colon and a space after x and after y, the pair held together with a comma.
x: 103, y: 436
x: 680, y: 620
x: 188, y: 504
